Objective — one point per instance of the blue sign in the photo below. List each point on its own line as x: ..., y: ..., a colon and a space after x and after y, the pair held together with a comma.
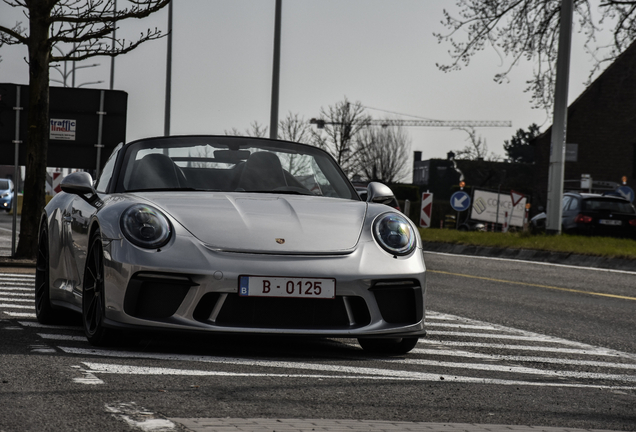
x: 460, y: 201
x: 626, y: 192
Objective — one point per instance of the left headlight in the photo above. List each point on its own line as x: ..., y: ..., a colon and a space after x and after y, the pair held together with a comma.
x: 145, y: 226
x: 394, y: 234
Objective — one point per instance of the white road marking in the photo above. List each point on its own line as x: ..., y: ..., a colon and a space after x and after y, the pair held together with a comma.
x: 140, y: 418
x: 510, y: 358
x: 62, y: 337
x: 20, y: 314
x: 18, y: 276
x: 87, y: 378
x: 493, y: 336
x: 42, y: 349
x: 47, y: 326
x: 23, y: 300
x: 17, y: 285
x: 520, y: 369
x: 374, y: 374
x: 14, y: 306
x: 542, y: 338
x: 594, y: 352
x: 461, y: 326
x: 355, y: 371
x: 519, y: 261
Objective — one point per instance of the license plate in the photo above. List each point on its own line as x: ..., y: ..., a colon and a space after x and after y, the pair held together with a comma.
x: 609, y: 222
x: 262, y: 286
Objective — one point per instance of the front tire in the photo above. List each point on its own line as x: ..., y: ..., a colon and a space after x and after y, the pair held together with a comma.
x: 388, y: 346
x: 93, y: 296
x: 43, y: 309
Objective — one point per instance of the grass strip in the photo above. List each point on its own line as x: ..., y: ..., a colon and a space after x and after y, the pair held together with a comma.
x: 596, y: 246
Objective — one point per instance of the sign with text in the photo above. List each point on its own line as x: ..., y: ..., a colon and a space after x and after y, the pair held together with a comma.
x: 484, y: 208
x: 63, y: 130
x: 74, y: 125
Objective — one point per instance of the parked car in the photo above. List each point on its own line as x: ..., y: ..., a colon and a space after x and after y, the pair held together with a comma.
x: 230, y: 235
x: 593, y: 214
x: 6, y: 194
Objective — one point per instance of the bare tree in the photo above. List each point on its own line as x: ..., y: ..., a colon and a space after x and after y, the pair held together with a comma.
x: 383, y: 153
x: 477, y: 149
x: 89, y: 24
x: 342, y: 123
x: 255, y: 130
x: 295, y: 128
x: 528, y: 30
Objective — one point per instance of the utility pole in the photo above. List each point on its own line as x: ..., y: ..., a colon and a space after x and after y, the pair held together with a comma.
x: 166, y: 121
x: 554, y: 211
x: 273, y: 122
x: 112, y: 57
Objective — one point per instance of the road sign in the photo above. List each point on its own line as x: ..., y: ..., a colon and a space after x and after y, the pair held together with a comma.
x: 426, y: 209
x: 516, y: 197
x: 460, y: 201
x: 626, y: 192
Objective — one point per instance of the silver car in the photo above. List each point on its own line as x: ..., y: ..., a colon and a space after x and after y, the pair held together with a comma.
x: 230, y: 235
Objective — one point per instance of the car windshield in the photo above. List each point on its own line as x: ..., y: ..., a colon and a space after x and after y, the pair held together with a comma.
x: 231, y: 164
x: 613, y: 205
x: 4, y: 184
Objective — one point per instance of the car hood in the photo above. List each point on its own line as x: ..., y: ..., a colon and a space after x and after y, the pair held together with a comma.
x: 267, y: 223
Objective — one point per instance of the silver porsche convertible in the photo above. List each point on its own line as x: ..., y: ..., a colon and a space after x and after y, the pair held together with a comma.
x: 230, y: 235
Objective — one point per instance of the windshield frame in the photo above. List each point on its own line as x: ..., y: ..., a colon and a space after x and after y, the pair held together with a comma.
x: 332, y: 171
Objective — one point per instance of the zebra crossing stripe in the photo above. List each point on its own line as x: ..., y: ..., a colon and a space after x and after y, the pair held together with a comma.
x: 20, y: 314
x: 511, y: 358
x: 358, y: 373
x: 15, y: 306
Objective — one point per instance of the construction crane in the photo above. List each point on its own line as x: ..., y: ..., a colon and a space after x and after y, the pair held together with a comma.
x: 320, y: 123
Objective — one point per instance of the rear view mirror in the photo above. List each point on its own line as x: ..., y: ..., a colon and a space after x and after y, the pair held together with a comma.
x: 379, y: 193
x: 78, y: 183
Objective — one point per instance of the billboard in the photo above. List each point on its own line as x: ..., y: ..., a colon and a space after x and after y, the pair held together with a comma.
x: 484, y: 208
x: 74, y: 124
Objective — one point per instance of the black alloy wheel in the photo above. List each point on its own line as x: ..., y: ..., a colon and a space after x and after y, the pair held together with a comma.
x: 43, y: 309
x: 93, y: 298
x: 388, y: 346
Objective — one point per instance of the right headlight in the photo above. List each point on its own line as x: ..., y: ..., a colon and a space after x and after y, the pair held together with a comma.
x: 145, y: 226
x: 394, y: 234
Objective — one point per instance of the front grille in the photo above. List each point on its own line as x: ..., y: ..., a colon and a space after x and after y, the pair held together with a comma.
x: 400, y: 301
x: 290, y: 313
x: 155, y: 296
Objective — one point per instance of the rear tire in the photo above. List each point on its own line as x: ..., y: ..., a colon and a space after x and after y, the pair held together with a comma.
x: 43, y: 309
x: 389, y: 346
x: 93, y: 296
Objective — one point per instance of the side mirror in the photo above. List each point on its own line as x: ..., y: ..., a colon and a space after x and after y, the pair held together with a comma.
x: 379, y: 193
x: 78, y: 183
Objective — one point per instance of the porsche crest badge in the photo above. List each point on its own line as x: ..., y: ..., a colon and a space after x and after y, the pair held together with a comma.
x: 280, y: 240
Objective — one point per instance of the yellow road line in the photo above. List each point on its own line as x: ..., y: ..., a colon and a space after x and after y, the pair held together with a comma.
x: 533, y: 285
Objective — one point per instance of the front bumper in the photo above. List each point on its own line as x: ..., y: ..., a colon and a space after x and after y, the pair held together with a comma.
x: 189, y: 287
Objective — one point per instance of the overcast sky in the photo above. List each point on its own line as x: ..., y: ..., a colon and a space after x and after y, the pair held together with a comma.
x: 381, y: 53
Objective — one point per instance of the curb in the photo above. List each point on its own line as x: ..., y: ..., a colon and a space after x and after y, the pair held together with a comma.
x: 534, y: 255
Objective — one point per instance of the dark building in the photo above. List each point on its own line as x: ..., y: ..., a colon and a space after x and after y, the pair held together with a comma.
x: 441, y: 176
x: 601, y: 132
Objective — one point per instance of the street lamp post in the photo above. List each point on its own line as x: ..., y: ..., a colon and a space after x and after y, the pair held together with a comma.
x: 554, y: 211
x: 273, y: 123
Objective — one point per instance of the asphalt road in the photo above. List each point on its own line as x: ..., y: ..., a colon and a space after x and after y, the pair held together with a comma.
x: 513, y: 343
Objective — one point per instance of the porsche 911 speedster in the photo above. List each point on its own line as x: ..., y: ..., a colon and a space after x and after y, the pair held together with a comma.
x: 230, y: 235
